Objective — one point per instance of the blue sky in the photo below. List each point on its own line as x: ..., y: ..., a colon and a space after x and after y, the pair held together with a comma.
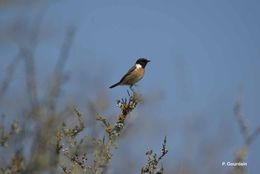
x: 204, y: 57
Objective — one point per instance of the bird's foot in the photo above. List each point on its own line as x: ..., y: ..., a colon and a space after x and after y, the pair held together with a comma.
x: 131, y: 88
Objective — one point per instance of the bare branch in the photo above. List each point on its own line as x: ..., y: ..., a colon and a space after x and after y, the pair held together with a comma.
x: 9, y: 75
x: 152, y: 163
x: 253, y: 136
x: 242, y: 123
x: 58, y: 76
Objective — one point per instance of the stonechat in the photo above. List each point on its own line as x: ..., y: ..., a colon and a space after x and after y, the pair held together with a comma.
x: 134, y: 74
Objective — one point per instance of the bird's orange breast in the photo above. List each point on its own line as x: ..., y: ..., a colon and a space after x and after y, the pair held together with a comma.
x: 134, y: 76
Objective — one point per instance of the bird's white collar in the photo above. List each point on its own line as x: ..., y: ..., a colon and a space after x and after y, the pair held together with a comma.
x: 137, y: 66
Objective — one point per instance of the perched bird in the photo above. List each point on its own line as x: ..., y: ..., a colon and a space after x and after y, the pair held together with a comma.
x: 134, y: 74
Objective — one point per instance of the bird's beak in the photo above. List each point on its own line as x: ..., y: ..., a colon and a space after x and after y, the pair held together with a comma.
x: 148, y: 60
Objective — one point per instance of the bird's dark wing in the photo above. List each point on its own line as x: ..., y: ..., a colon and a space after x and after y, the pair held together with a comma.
x: 129, y: 71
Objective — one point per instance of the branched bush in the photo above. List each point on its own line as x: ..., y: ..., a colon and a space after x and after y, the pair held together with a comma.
x: 96, y: 158
x: 152, y: 160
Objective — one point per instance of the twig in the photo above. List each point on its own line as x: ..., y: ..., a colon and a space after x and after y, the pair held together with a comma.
x: 27, y: 51
x: 241, y: 122
x: 242, y: 153
x: 253, y: 136
x: 6, y: 135
x: 244, y: 129
x: 9, y: 75
x: 58, y: 75
x: 103, y: 152
x: 152, y: 163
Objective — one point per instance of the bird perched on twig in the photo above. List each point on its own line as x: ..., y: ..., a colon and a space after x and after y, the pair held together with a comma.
x: 134, y: 74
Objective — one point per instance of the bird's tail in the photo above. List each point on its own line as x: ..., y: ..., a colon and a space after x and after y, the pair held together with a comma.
x: 115, y: 85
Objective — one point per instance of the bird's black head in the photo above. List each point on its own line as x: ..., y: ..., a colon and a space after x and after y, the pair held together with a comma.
x: 142, y: 62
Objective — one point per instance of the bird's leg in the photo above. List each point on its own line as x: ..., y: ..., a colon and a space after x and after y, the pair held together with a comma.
x: 131, y: 88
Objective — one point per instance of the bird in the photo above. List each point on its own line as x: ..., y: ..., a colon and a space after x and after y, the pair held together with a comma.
x: 134, y: 74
